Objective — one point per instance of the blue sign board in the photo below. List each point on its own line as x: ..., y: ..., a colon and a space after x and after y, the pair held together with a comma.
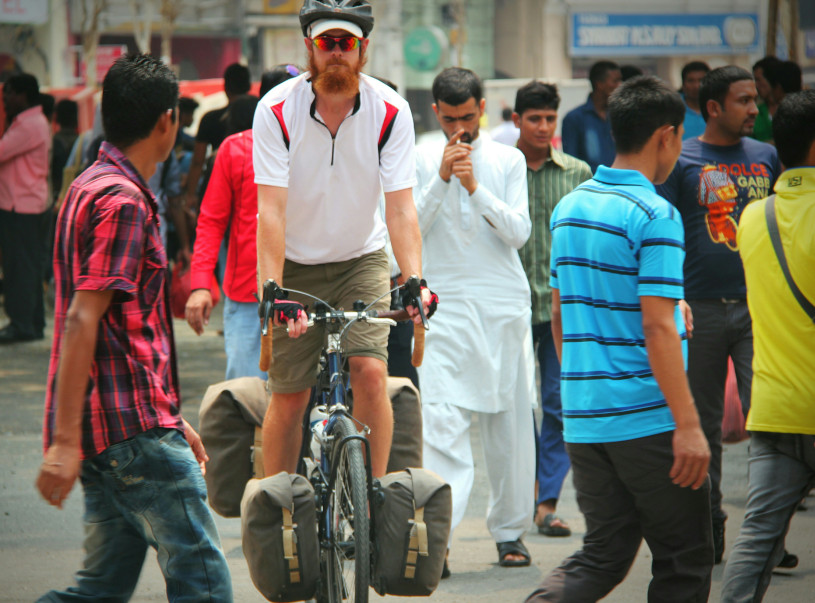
x: 603, y: 35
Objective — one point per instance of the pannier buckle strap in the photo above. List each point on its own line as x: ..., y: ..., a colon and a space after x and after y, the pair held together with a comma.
x: 417, y: 545
x: 290, y: 546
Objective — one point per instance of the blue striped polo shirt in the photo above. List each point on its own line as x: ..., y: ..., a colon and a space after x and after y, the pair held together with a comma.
x: 613, y: 240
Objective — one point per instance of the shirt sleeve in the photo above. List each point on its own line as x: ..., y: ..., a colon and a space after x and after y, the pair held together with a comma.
x: 397, y: 162
x: 18, y: 141
x: 509, y: 217
x: 115, y: 245
x: 213, y: 219
x: 555, y: 251
x: 430, y: 189
x: 270, y: 156
x: 662, y: 254
x: 570, y: 135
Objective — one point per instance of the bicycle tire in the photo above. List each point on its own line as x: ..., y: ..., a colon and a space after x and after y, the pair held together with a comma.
x: 349, y: 554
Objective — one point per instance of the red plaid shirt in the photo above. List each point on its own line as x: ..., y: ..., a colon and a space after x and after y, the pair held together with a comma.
x: 108, y: 238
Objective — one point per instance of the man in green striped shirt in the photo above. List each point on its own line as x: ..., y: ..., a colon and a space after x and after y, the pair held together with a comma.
x: 550, y: 175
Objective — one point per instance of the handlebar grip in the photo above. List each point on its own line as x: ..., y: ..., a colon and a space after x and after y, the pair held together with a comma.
x: 418, y: 345
x: 265, y: 351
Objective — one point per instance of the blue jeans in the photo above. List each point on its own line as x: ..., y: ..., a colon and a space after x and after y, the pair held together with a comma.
x: 242, y: 339
x: 782, y: 471
x: 148, y: 490
x: 721, y: 330
x: 552, y: 462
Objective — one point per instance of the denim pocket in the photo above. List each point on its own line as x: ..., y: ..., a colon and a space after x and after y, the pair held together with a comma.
x: 131, y: 474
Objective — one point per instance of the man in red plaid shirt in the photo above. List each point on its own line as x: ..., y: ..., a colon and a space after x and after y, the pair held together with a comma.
x: 112, y: 412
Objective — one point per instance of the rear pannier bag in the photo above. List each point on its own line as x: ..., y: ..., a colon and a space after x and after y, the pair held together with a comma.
x: 406, y: 447
x: 229, y: 413
x: 412, y: 525
x: 279, y: 534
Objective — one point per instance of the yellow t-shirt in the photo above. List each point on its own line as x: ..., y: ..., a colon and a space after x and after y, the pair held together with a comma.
x: 783, y: 396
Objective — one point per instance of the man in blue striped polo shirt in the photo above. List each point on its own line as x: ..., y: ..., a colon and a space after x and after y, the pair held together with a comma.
x: 631, y: 428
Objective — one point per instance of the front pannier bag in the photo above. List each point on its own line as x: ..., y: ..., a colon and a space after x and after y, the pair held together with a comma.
x: 279, y: 534
x: 412, y: 525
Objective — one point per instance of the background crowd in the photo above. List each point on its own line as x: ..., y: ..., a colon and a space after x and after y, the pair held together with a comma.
x: 485, y: 210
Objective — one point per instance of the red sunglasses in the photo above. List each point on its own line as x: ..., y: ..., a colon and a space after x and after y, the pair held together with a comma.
x: 327, y: 43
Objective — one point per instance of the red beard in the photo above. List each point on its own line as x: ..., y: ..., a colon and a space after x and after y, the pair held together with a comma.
x: 343, y: 81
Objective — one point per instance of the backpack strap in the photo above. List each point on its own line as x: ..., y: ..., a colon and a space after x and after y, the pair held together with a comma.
x: 775, y: 237
x: 387, y: 125
x: 278, y: 113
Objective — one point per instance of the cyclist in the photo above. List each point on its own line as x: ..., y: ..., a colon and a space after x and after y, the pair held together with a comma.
x: 326, y: 143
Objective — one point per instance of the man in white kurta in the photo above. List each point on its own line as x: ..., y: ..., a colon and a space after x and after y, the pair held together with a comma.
x: 473, y: 213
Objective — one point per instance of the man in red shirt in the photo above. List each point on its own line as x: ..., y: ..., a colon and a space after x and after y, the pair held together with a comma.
x: 24, y: 155
x: 112, y: 404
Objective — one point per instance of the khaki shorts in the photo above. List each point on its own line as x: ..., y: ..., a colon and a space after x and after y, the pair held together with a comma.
x: 296, y: 362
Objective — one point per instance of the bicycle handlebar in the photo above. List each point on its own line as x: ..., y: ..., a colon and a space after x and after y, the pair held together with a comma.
x: 272, y: 291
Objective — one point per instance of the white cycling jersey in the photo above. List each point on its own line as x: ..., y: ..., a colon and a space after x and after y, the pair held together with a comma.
x: 334, y: 182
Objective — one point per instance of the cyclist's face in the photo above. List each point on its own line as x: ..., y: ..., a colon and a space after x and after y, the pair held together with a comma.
x: 324, y: 60
x: 465, y: 116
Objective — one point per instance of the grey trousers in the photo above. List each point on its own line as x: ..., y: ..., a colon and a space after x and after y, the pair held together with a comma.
x: 782, y: 471
x: 721, y: 330
x: 625, y: 493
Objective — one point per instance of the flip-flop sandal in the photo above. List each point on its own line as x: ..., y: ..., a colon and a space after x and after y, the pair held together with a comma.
x: 515, y: 547
x: 548, y: 529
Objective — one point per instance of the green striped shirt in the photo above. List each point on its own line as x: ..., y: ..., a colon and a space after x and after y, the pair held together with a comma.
x: 557, y: 177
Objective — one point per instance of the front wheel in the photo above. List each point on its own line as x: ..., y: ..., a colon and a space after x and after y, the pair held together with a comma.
x: 349, y: 553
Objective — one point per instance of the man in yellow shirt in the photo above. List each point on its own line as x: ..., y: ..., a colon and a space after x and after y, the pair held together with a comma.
x: 782, y: 416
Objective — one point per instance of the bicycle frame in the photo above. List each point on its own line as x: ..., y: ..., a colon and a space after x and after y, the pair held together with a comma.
x: 333, y: 396
x: 330, y: 487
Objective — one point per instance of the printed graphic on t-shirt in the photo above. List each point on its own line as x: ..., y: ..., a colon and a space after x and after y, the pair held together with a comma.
x: 719, y: 189
x: 718, y: 194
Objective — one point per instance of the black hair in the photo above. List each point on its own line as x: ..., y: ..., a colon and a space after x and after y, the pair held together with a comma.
x: 638, y: 108
x: 716, y: 84
x: 387, y: 82
x: 506, y: 113
x: 240, y: 114
x: 456, y: 85
x: 536, y: 95
x: 629, y: 71
x: 600, y: 70
x: 136, y: 91
x: 789, y: 77
x: 694, y: 66
x: 187, y: 105
x: 236, y: 79
x: 794, y: 127
x: 47, y: 102
x: 25, y: 83
x: 275, y: 76
x: 768, y: 65
x: 67, y: 114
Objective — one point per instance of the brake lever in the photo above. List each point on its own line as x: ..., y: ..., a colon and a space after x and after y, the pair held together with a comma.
x: 271, y: 291
x: 414, y: 288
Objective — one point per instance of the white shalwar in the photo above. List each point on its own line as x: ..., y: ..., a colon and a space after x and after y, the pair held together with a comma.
x: 478, y: 351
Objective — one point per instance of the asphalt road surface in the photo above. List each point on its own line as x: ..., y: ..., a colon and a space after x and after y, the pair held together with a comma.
x: 41, y: 547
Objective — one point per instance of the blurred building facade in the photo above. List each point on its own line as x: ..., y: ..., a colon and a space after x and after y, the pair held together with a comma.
x: 413, y: 40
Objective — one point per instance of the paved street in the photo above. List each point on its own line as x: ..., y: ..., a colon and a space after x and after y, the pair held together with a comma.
x: 41, y: 547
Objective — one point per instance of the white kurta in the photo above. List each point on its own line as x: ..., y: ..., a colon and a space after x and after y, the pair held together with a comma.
x: 478, y: 351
